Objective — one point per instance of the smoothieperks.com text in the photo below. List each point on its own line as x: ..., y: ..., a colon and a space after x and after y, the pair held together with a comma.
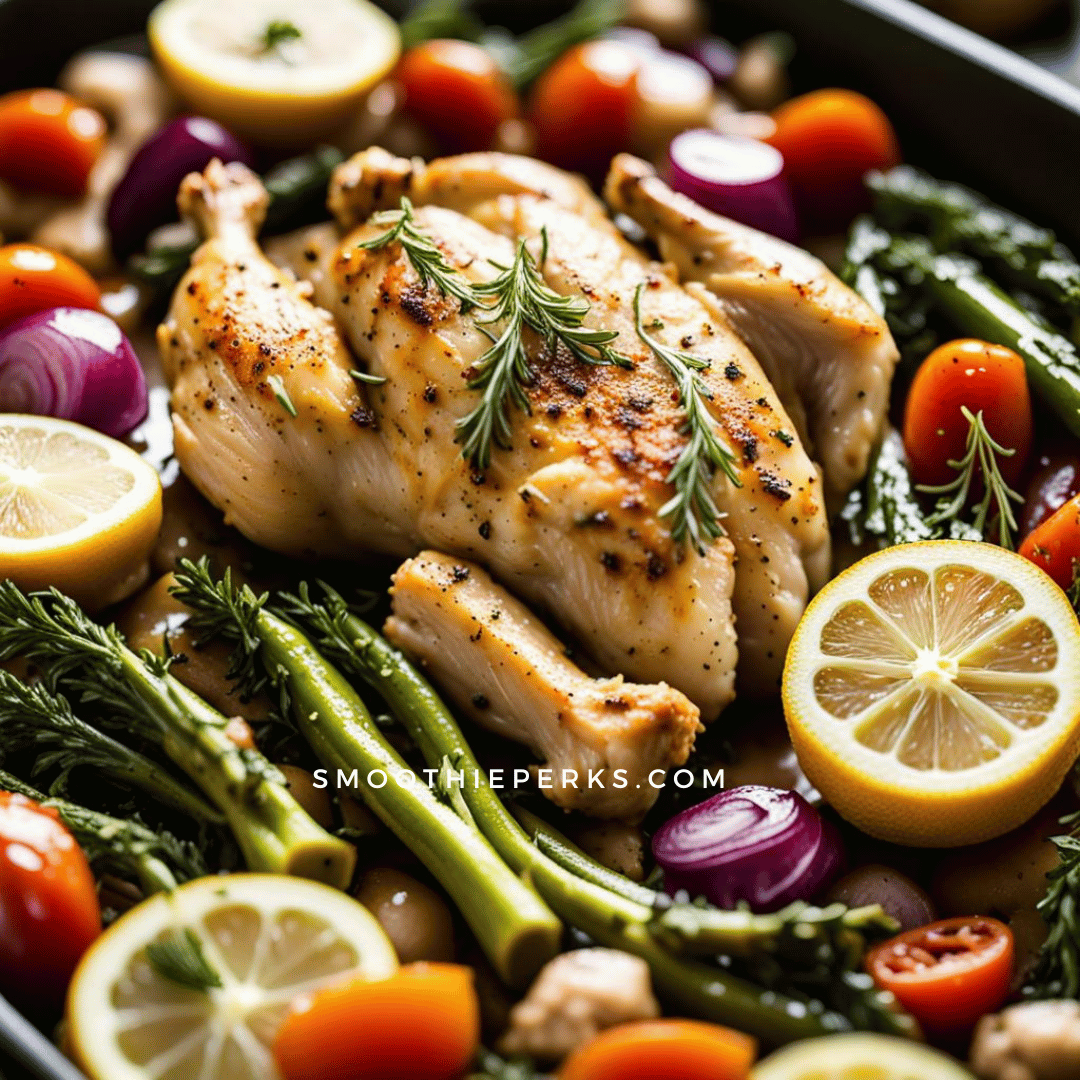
x: 512, y: 779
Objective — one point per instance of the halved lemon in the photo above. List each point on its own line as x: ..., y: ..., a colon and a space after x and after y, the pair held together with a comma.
x: 268, y: 939
x: 275, y: 71
x: 932, y: 692
x: 78, y: 510
x: 858, y: 1056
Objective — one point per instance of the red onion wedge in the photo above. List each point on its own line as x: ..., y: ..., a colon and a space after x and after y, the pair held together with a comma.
x: 74, y: 364
x: 742, y: 179
x: 145, y: 197
x: 759, y: 845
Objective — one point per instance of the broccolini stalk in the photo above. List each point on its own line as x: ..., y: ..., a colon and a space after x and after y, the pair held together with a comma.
x: 157, y: 860
x: 275, y: 834
x: 517, y: 931
x: 30, y: 716
x: 617, y: 918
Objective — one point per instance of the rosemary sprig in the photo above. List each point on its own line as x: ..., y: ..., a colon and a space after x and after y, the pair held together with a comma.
x: 31, y: 716
x: 277, y: 385
x: 981, y: 451
x: 179, y: 957
x: 367, y: 377
x: 519, y: 298
x: 427, y: 259
x: 1057, y: 969
x: 692, y: 509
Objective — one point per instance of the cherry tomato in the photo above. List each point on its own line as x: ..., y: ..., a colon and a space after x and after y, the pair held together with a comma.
x: 1055, y: 544
x: 946, y: 974
x: 421, y: 1024
x: 49, y: 909
x: 830, y: 139
x: 1055, y: 480
x: 663, y: 1050
x: 48, y: 141
x: 985, y: 378
x: 583, y: 106
x: 457, y: 91
x: 34, y: 278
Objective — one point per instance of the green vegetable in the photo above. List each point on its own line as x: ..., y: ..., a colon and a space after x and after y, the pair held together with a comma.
x: 275, y: 834
x: 615, y: 917
x: 537, y: 50
x: 30, y: 716
x: 492, y: 1067
x: 297, y: 189
x: 957, y: 218
x: 692, y: 510
x: 440, y: 19
x: 179, y: 957
x: 515, y: 928
x: 163, y: 267
x: 125, y: 846
x: 1057, y: 969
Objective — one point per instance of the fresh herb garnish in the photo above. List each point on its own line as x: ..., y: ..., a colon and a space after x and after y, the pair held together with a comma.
x: 982, y: 451
x: 693, y: 512
x: 521, y: 298
x: 365, y: 377
x: 1057, y: 969
x: 427, y: 260
x: 277, y: 32
x: 278, y: 386
x: 179, y: 958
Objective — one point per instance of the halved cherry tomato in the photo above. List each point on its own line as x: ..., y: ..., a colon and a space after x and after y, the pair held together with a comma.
x: 48, y: 903
x: 946, y: 974
x: 986, y: 378
x: 830, y: 140
x: 421, y: 1024
x: 48, y: 141
x: 663, y: 1050
x: 1055, y: 544
x: 582, y: 107
x: 34, y: 278
x: 457, y: 91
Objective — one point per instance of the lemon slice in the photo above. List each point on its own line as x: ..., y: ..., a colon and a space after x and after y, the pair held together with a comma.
x: 269, y: 939
x: 78, y: 510
x: 276, y: 71
x: 858, y: 1057
x: 931, y: 692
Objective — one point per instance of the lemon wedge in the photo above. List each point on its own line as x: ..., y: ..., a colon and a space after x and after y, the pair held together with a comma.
x: 931, y: 692
x: 265, y: 940
x: 276, y: 71
x: 858, y: 1056
x: 78, y: 510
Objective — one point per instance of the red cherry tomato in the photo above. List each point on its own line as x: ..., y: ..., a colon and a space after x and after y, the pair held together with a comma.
x: 34, y: 278
x: 48, y: 141
x: 1055, y: 544
x: 830, y: 139
x: 421, y: 1024
x: 582, y: 107
x: 985, y: 378
x: 946, y: 974
x: 49, y: 910
x: 457, y: 91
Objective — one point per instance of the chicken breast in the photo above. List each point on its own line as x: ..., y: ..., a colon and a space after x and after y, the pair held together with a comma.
x: 829, y: 355
x: 502, y: 667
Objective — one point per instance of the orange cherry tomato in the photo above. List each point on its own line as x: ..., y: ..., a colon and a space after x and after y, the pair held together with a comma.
x: 583, y: 106
x: 421, y: 1024
x: 48, y: 903
x: 986, y: 378
x: 48, y: 141
x: 663, y: 1050
x: 1055, y: 544
x: 34, y: 278
x: 830, y: 139
x: 457, y: 91
x: 946, y: 974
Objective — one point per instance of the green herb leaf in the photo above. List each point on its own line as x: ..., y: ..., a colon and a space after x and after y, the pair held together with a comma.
x: 365, y: 377
x: 278, y: 31
x: 692, y: 510
x: 179, y: 958
x: 278, y: 386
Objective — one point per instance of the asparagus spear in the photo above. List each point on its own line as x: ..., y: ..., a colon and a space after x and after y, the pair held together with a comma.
x: 275, y: 834
x: 959, y: 218
x: 517, y: 931
x: 611, y: 910
x: 30, y: 716
x: 157, y: 860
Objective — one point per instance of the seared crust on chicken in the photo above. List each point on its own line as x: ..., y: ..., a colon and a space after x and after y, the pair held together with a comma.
x: 500, y: 665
